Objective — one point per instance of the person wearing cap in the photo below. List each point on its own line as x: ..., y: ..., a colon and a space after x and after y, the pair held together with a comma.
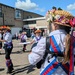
x: 8, y: 46
x: 54, y: 63
x: 23, y: 39
x: 36, y: 38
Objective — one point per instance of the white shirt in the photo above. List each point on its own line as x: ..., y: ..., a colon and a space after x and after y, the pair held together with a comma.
x: 8, y: 37
x: 38, y: 51
x: 0, y: 35
x: 35, y: 39
x: 24, y: 37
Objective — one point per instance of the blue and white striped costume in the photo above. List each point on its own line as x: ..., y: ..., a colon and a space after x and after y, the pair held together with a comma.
x: 53, y: 67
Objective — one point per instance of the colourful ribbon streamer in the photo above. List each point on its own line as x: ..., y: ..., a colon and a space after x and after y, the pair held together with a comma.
x: 72, y: 46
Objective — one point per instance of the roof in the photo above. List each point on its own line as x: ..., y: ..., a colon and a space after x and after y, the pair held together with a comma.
x: 19, y: 9
x: 31, y: 19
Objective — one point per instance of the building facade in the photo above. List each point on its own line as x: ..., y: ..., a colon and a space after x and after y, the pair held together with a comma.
x: 39, y: 23
x: 18, y: 18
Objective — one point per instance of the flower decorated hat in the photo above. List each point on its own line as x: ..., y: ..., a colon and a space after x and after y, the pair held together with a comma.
x: 60, y: 17
x: 8, y: 28
x: 0, y: 27
x: 4, y: 27
x: 38, y: 31
x: 24, y: 33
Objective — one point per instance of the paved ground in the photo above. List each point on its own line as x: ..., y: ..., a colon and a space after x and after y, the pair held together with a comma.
x: 20, y: 61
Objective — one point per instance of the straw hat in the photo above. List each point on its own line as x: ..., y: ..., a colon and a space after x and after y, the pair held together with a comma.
x: 63, y: 13
x: 24, y: 33
x: 0, y: 28
x: 4, y: 27
x: 38, y: 31
x: 60, y: 17
x: 8, y: 28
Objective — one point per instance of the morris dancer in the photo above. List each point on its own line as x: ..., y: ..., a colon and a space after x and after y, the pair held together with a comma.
x: 23, y: 39
x: 36, y: 38
x: 0, y: 38
x: 54, y: 64
x: 8, y: 46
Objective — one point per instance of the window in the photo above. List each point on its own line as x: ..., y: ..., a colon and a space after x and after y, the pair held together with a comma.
x: 17, y: 14
x: 0, y: 9
x: 28, y: 17
x: 30, y: 22
x: 1, y: 12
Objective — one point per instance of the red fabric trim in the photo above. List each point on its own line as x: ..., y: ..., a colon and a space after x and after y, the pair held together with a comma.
x: 51, y: 67
x: 53, y: 46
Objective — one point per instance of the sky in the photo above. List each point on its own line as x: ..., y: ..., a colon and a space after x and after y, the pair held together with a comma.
x: 41, y: 6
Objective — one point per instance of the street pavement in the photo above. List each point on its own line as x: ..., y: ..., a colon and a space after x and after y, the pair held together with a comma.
x: 20, y: 61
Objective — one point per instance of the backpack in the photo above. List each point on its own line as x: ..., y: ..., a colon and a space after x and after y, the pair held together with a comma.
x: 38, y: 65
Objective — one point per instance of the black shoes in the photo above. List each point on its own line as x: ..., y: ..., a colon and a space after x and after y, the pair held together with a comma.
x: 10, y: 69
x: 23, y: 50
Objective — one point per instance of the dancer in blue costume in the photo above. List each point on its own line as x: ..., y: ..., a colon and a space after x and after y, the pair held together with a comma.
x: 54, y: 64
